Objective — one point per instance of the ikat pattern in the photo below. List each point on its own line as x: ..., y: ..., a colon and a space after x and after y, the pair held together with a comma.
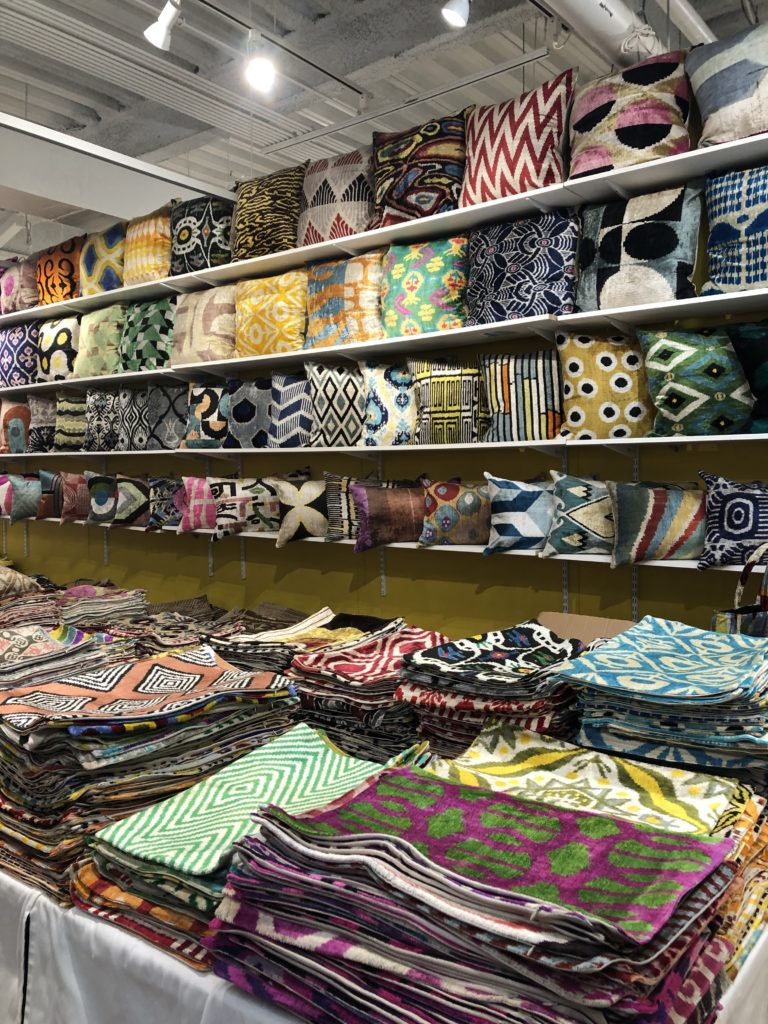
x: 58, y: 342
x: 343, y: 301
x: 336, y: 197
x: 200, y: 234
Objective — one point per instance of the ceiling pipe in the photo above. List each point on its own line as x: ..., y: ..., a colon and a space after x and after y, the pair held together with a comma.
x: 691, y: 24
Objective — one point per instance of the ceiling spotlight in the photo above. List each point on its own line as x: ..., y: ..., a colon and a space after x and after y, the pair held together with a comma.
x: 260, y: 73
x: 456, y: 13
x: 159, y: 32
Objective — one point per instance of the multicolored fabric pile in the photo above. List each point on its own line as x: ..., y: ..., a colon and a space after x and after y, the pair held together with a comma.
x: 85, y: 603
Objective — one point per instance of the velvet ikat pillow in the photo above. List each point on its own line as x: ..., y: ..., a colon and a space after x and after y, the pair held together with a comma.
x: 58, y: 343
x: 455, y: 513
x: 336, y: 197
x: 343, y: 301
x: 200, y: 234
x: 102, y: 260
x: 424, y: 287
x: 58, y: 272
x: 266, y: 217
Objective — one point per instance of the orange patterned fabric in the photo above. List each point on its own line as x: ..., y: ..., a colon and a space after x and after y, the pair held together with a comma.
x: 58, y: 272
x: 343, y: 301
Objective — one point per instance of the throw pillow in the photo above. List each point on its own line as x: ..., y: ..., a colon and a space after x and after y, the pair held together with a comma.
x: 248, y: 413
x: 249, y: 506
x: 336, y: 197
x: 207, y: 418
x: 419, y: 172
x: 51, y: 495
x: 18, y: 285
x: 266, y: 215
x: 18, y: 354
x: 290, y: 424
x: 164, y: 509
x: 58, y: 272
x: 631, y: 115
x: 387, y: 515
x: 655, y: 523
x: 737, y: 245
x: 204, y: 329
x: 737, y: 520
x: 450, y: 401
x: 101, y: 332
x: 391, y: 416
x: 200, y: 232
x: 42, y: 424
x: 231, y: 516
x: 524, y: 396
x: 730, y: 82
x: 641, y: 248
x: 102, y: 419
x: 69, y: 435
x: 343, y: 301
x: 101, y: 260
x: 75, y: 497
x: 338, y: 405
x: 147, y: 339
x: 270, y: 314
x: 14, y: 423
x: 455, y: 513
x: 582, y: 517
x: 516, y: 146
x: 521, y: 515
x: 26, y: 494
x: 605, y: 387
x: 198, y: 509
x: 750, y: 342
x: 167, y: 415
x: 13, y: 583
x: 696, y: 382
x: 342, y: 511
x: 6, y: 498
x: 132, y: 420
x: 132, y: 501
x: 148, y: 248
x: 303, y: 511
x: 58, y: 342
x: 102, y: 491
x: 423, y: 287
x: 523, y: 268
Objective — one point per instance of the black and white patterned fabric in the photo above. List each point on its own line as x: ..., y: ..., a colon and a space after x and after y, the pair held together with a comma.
x: 291, y: 418
x: 167, y: 411
x: 42, y: 424
x: 102, y: 417
x: 248, y: 415
x: 338, y: 405
x: 133, y: 425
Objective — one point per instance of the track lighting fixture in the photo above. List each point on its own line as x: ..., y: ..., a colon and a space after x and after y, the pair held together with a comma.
x: 456, y: 13
x: 159, y: 32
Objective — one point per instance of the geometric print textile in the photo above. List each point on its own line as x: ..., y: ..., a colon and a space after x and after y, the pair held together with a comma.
x: 266, y: 213
x: 582, y: 519
x: 524, y: 396
x: 423, y: 287
x: 167, y: 414
x: 248, y: 415
x: 58, y: 341
x: 133, y: 422
x: 102, y: 418
x: 58, y: 272
x: 133, y: 496
x: 336, y: 197
x: 338, y: 405
x: 448, y: 398
x: 271, y: 314
x: 101, y: 260
x: 19, y: 354
x: 207, y: 419
x: 737, y: 520
x: 200, y: 230
x: 147, y: 336
x: 303, y: 510
x: 737, y: 245
x: 521, y: 515
x: 70, y: 422
x: 343, y: 301
x: 290, y: 424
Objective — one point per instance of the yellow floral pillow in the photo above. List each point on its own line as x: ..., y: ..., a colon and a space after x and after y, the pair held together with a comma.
x: 270, y: 314
x: 148, y: 248
x: 424, y: 287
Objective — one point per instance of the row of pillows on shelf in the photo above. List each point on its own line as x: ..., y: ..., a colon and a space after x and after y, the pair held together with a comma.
x: 569, y: 515
x: 483, y: 153
x: 665, y: 383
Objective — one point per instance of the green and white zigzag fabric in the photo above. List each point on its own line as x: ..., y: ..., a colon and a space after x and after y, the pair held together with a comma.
x: 194, y: 831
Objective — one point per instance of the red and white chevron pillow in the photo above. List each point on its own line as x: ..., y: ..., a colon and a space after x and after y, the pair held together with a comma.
x: 516, y: 146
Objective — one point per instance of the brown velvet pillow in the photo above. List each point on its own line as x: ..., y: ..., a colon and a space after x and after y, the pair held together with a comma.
x: 387, y: 515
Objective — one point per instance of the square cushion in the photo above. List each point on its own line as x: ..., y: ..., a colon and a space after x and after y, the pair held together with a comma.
x: 102, y: 491
x: 455, y: 513
x: 198, y: 509
x: 164, y: 509
x: 521, y: 514
x: 290, y: 424
x: 737, y: 244
x: 248, y: 413
x: 750, y: 342
x: 26, y: 494
x: 582, y: 517
x: 167, y: 415
x: 200, y: 234
x: 207, y: 418
x: 338, y: 402
x: 605, y: 387
x: 132, y: 420
x: 18, y: 285
x: 391, y: 415
x: 266, y: 215
x: 51, y: 495
x: 387, y: 515
x: 639, y: 250
x: 14, y: 423
x: 523, y: 268
x: 249, y: 506
x: 737, y: 520
x: 147, y: 338
x: 730, y: 82
x: 18, y: 354
x: 101, y: 260
x: 423, y: 287
x: 418, y: 172
x: 42, y: 423
x: 516, y: 146
x: 204, y: 329
x: 343, y: 301
x: 132, y: 501
x: 70, y: 422
x: 303, y: 510
x: 336, y: 197
x: 449, y: 401
x: 696, y: 382
x: 524, y: 396
x: 271, y: 314
x: 631, y: 115
x: 101, y: 333
x: 654, y: 523
x: 75, y: 497
x: 148, y: 248
x: 58, y: 342
x: 58, y: 272
x: 102, y: 421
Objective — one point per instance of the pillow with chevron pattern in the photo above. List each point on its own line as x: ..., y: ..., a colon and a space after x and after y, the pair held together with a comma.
x: 520, y: 515
x: 290, y: 424
x: 582, y: 522
x: 516, y: 146
x: 101, y: 260
x: 133, y: 494
x: 303, y: 510
x: 337, y: 197
x: 338, y: 405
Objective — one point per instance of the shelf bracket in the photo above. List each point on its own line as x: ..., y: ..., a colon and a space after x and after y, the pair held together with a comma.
x: 565, y: 583
x: 382, y: 572
x: 635, y: 584
x: 5, y: 538
x: 210, y: 558
x: 626, y: 451
x: 540, y: 449
x: 26, y: 539
x: 243, y: 566
x: 106, y: 546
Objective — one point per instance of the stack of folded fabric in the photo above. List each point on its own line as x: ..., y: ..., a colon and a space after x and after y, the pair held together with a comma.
x: 506, y: 674
x: 419, y: 899
x: 25, y: 602
x: 160, y: 872
x: 89, y: 604
x: 87, y: 750
x: 31, y: 654
x: 348, y: 690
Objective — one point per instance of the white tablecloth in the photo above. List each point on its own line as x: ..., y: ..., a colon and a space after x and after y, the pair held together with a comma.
x: 746, y: 1001
x: 16, y: 903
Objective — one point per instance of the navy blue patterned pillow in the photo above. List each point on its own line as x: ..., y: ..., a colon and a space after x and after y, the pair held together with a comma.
x: 291, y: 419
x: 248, y: 414
x: 737, y: 520
x: 163, y: 510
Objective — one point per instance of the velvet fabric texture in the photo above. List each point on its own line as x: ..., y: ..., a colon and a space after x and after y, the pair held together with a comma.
x: 336, y: 197
x: 266, y: 217
x: 655, y: 523
x: 290, y: 424
x: 342, y: 511
x: 737, y: 520
x: 101, y: 332
x: 455, y: 513
x: 391, y: 416
x: 42, y: 423
x: 207, y: 420
x: 248, y: 413
x: 424, y: 287
x: 27, y: 493
x: 19, y: 348
x: 133, y: 420
x: 270, y: 314
x: 200, y: 234
x: 164, y: 510
x: 197, y: 506
x: 102, y: 490
x: 133, y: 501
x: 750, y: 342
x: 148, y: 248
x: 737, y: 245
x: 338, y: 405
x: 51, y: 495
x: 58, y: 342
x: 58, y: 272
x: 387, y: 515
x: 102, y: 259
x: 70, y: 422
x: 582, y: 521
x: 76, y: 501
x: 102, y: 421
x: 14, y: 425
x: 303, y: 510
x: 167, y: 415
x: 450, y: 401
x: 343, y: 301
x: 524, y: 396
x: 147, y: 339
x: 521, y: 514
x: 18, y: 285
x: 204, y: 329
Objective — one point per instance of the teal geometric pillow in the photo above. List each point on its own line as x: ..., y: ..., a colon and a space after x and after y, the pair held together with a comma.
x: 583, y: 520
x: 521, y: 514
x: 25, y: 496
x: 696, y: 383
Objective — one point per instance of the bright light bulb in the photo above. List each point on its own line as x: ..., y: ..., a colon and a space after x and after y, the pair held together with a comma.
x: 159, y: 32
x: 456, y: 13
x: 260, y: 73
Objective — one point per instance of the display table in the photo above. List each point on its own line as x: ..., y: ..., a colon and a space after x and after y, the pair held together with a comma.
x: 81, y: 970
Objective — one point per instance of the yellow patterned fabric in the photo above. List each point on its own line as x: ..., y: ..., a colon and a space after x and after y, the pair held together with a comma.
x: 101, y: 260
x: 270, y: 314
x: 148, y: 248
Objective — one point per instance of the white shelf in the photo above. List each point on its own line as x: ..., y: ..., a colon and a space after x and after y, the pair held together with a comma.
x: 625, y: 318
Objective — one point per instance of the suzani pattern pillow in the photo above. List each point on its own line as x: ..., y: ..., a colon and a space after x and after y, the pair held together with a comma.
x: 655, y: 523
x: 207, y: 419
x: 42, y: 423
x: 248, y: 413
x: 737, y: 246
x: 266, y: 218
x: 336, y: 197
x: 521, y: 515
x: 102, y: 421
x: 167, y: 415
x: 102, y: 259
x: 523, y: 268
x: 696, y: 382
x: 98, y: 352
x: 200, y: 234
x: 133, y: 420
x: 391, y: 415
x: 303, y: 511
x: 271, y: 314
x: 14, y: 426
x: 450, y: 401
x: 737, y: 520
x: 290, y: 424
x: 70, y: 422
x: 58, y: 342
x: 639, y: 250
x: 631, y: 115
x: 19, y: 348
x: 455, y: 513
x: 516, y: 146
x: 524, y: 396
x: 423, y: 287
x: 147, y: 339
x: 582, y: 517
x: 18, y: 286
x: 343, y: 301
x: 204, y: 329
x: 58, y: 272
x: 148, y: 248
x: 133, y: 501
x: 338, y: 405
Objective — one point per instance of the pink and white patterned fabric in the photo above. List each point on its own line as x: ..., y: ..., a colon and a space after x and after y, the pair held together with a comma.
x: 198, y: 506
x: 371, y: 662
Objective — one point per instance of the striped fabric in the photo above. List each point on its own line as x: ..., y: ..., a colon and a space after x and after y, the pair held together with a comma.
x: 524, y: 396
x: 448, y: 398
x: 70, y: 422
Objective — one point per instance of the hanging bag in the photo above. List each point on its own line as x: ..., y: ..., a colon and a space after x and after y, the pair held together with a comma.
x: 751, y: 620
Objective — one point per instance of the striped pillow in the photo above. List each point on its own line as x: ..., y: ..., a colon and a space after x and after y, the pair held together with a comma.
x: 524, y: 396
